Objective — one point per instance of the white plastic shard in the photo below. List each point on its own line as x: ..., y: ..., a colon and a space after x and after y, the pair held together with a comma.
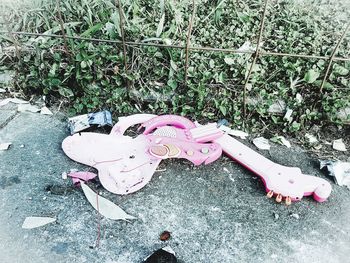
x: 2, y: 90
x: 240, y: 134
x: 281, y: 140
x: 311, y: 139
x: 339, y: 145
x: 45, y: 111
x: 104, y: 206
x: 262, y: 143
x: 13, y: 100
x: 27, y: 107
x: 4, y: 146
x: 34, y: 221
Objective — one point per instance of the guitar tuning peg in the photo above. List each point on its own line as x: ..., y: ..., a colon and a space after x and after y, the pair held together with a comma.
x: 288, y: 200
x: 279, y: 198
x: 269, y: 194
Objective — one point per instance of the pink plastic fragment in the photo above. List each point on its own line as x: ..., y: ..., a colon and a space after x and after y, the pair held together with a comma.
x: 81, y: 176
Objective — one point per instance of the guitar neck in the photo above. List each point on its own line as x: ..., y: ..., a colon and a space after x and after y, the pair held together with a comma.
x: 250, y: 159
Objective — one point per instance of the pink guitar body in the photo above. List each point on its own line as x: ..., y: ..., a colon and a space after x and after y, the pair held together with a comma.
x: 126, y: 165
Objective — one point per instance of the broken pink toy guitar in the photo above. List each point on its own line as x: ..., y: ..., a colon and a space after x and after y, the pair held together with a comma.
x: 126, y: 165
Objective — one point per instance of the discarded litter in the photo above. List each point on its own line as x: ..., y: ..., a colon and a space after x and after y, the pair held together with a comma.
x: 166, y: 255
x: 127, y: 164
x: 311, y: 139
x: 240, y: 134
x: 340, y: 171
x: 5, y: 146
x: 339, y: 145
x: 13, y: 100
x: 281, y: 140
x: 262, y: 143
x: 33, y: 222
x: 81, y: 176
x: 45, y: 111
x: 165, y: 235
x: 2, y: 90
x: 27, y: 107
x: 288, y: 115
x: 83, y: 122
x: 104, y: 206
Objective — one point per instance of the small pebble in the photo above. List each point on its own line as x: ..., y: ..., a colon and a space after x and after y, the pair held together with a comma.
x: 64, y: 176
x: 276, y: 216
x: 296, y: 216
x: 21, y: 146
x: 44, y: 198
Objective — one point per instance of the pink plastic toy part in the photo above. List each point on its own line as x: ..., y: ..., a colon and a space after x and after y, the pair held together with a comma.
x: 287, y: 183
x: 77, y: 177
x: 124, y: 164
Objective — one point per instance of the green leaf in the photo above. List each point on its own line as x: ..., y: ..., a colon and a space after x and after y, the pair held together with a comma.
x: 92, y: 30
x: 229, y: 61
x: 311, y: 76
x: 65, y: 92
x: 340, y: 70
x: 223, y: 110
x: 173, y: 65
x: 160, y: 25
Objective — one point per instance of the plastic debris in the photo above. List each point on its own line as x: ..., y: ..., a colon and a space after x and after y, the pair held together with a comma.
x: 34, y: 222
x: 281, y: 140
x: 240, y: 134
x: 83, y: 122
x: 81, y: 176
x: 104, y: 206
x: 311, y: 139
x: 339, y: 145
x: 165, y: 254
x: 5, y: 146
x: 340, y: 171
x: 288, y: 115
x: 27, y: 107
x: 262, y: 143
x: 2, y: 90
x: 45, y: 111
x: 276, y: 216
x: 13, y: 100
x: 278, y: 107
x: 298, y: 98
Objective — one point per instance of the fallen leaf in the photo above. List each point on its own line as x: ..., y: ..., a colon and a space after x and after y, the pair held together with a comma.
x: 13, y: 100
x: 262, y: 143
x: 33, y: 221
x: 27, y: 107
x: 339, y: 145
x: 45, y: 111
x: 4, y: 146
x: 165, y: 236
x: 104, y: 206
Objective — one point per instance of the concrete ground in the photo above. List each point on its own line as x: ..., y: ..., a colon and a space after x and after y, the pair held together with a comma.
x: 215, y: 213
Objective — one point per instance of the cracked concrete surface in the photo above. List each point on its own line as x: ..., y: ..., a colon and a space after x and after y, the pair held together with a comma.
x: 215, y: 213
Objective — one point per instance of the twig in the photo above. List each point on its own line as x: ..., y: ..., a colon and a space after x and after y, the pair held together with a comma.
x: 255, y: 56
x: 121, y: 25
x: 332, y: 57
x: 190, y: 25
x: 62, y: 27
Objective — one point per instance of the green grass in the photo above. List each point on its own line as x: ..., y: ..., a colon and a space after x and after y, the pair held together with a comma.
x: 93, y: 76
